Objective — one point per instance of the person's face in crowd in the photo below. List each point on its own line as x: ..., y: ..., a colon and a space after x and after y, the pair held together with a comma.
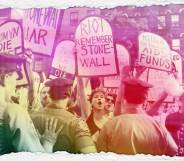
x: 44, y: 96
x: 10, y: 83
x: 109, y: 103
x: 98, y: 100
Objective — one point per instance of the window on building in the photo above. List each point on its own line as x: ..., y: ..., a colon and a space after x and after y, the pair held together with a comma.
x: 176, y: 44
x: 73, y: 18
x: 91, y: 12
x: 161, y: 22
x: 175, y: 20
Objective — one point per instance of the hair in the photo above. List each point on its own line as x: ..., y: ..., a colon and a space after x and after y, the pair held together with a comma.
x: 133, y: 96
x: 96, y: 91
x: 112, y: 95
x: 59, y: 92
x: 3, y: 73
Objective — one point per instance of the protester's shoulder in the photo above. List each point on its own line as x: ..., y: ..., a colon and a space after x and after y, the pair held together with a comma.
x: 132, y: 118
x: 15, y: 107
x: 68, y: 116
x: 112, y: 121
x: 75, y: 119
x: 79, y: 123
x: 35, y: 114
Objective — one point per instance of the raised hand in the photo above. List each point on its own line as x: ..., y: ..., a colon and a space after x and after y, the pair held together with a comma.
x: 50, y: 134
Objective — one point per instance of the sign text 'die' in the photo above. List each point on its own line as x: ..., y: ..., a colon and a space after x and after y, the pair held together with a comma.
x: 64, y: 60
x: 154, y: 52
x: 95, y: 47
x: 40, y: 27
x: 11, y: 38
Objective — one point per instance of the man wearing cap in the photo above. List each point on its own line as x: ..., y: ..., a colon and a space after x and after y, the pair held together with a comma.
x: 133, y: 132
x: 75, y: 136
x: 17, y: 132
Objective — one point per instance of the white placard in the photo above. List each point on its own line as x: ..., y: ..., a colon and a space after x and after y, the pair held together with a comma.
x: 11, y: 38
x: 40, y: 27
x: 176, y: 58
x: 123, y: 60
x: 96, y: 54
x: 154, y: 52
x: 64, y: 59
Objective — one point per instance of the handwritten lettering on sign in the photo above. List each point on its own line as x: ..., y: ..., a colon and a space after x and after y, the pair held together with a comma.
x: 176, y: 58
x: 95, y: 48
x: 40, y: 26
x: 123, y: 60
x: 154, y: 52
x: 64, y: 59
x: 11, y: 38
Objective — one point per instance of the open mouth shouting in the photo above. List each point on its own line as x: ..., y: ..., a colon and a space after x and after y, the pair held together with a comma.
x: 99, y: 103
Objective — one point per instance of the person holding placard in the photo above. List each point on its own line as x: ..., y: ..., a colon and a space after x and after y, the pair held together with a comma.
x: 126, y: 73
x: 133, y: 132
x: 17, y: 132
x: 75, y: 136
x: 93, y: 109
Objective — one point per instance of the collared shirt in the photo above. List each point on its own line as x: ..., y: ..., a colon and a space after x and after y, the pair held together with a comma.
x: 135, y: 134
x: 75, y: 134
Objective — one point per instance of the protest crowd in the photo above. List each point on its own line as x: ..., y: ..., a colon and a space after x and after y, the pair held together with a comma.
x: 98, y: 96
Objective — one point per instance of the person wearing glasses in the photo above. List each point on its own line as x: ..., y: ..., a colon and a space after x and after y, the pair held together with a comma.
x: 110, y: 100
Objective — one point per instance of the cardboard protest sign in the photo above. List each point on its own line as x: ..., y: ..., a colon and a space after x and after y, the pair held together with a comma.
x: 11, y: 38
x: 11, y: 42
x: 143, y: 75
x: 123, y: 60
x: 40, y: 29
x: 154, y: 52
x: 63, y: 64
x: 176, y: 58
x: 111, y: 90
x: 95, y: 48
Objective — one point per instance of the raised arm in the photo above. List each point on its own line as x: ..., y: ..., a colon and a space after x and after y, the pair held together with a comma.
x: 119, y: 99
x: 82, y: 100
x: 156, y: 105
